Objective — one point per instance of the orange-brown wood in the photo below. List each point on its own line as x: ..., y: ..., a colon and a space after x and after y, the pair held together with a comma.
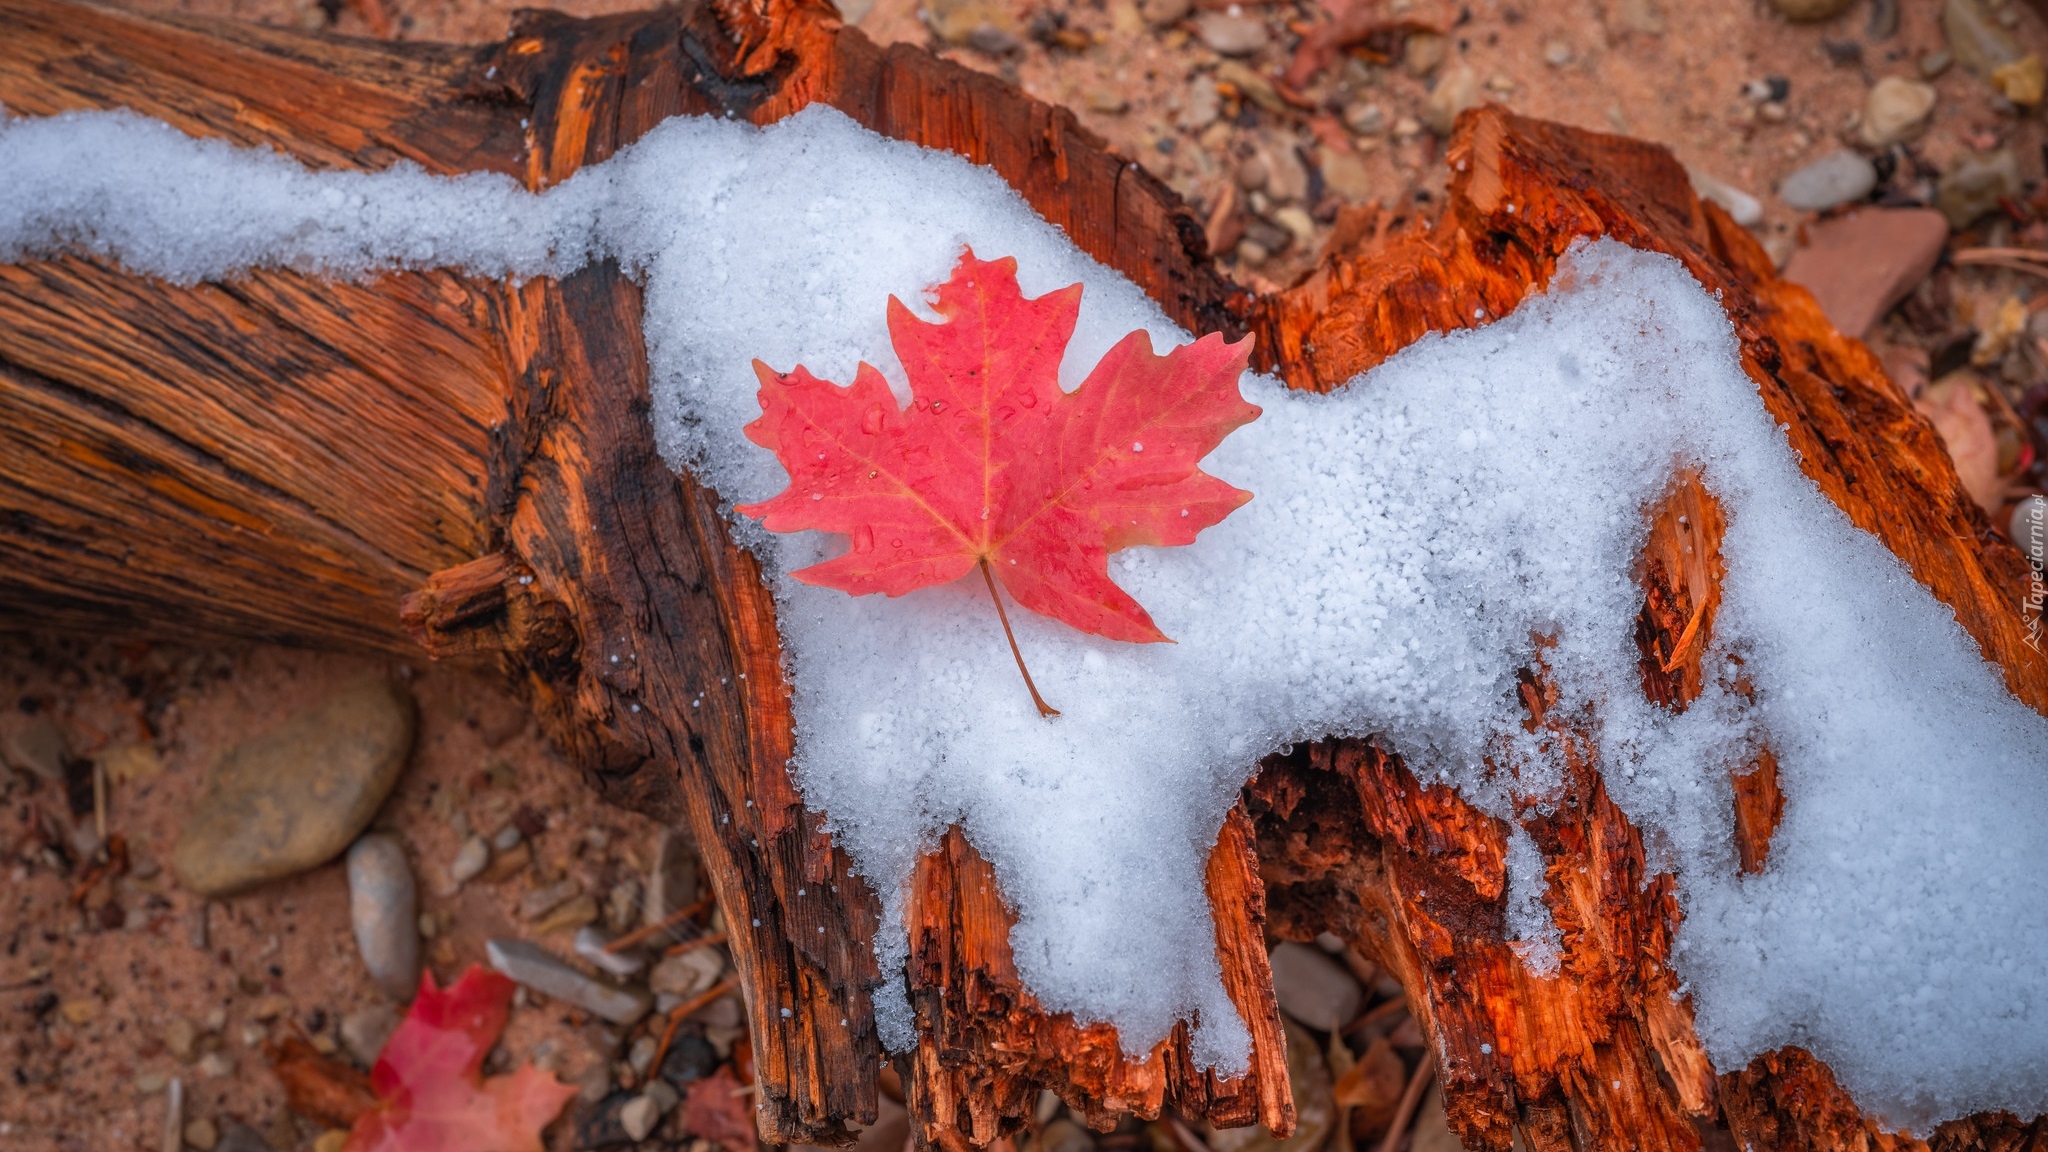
x: 465, y: 468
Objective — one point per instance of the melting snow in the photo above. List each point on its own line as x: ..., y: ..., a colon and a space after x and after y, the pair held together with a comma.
x: 1407, y: 536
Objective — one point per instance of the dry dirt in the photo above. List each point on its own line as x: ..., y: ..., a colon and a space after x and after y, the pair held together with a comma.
x: 88, y: 988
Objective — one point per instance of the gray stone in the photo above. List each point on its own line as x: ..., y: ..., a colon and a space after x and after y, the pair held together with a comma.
x: 686, y: 975
x: 724, y: 1012
x: 239, y: 1137
x: 1835, y: 179
x: 470, y: 860
x: 1558, y: 53
x: 383, y: 908
x: 1366, y: 118
x: 283, y: 803
x: 543, y: 900
x: 1164, y: 12
x: 538, y: 969
x: 506, y: 838
x: 640, y: 1057
x: 364, y: 1031
x: 1973, y: 185
x: 1896, y: 110
x: 2028, y: 528
x: 672, y: 881
x: 35, y: 745
x: 1741, y: 207
x: 1313, y: 988
x: 1228, y: 35
x: 644, y: 1111
x: 590, y: 944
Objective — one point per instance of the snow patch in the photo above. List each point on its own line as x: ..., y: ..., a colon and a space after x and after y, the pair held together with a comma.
x: 1409, y: 534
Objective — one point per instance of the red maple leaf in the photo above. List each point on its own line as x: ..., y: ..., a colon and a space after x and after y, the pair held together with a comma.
x: 993, y: 464
x: 429, y: 1083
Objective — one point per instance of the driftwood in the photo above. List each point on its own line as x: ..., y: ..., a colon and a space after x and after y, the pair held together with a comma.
x: 461, y: 467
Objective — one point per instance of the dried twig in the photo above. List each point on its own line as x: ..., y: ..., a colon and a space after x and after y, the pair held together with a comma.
x: 1411, y: 1097
x: 682, y: 1012
x: 1376, y: 1014
x: 643, y: 934
x: 704, y: 941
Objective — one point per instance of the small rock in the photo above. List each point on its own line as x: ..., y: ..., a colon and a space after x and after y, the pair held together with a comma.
x: 1975, y: 39
x: 1832, y: 180
x: 1558, y: 53
x: 1347, y: 176
x: 270, y: 1006
x: 1637, y: 16
x: 1252, y: 85
x: 622, y: 904
x: 239, y: 1137
x: 1407, y: 127
x: 181, y: 1038
x: 593, y: 1086
x: 686, y: 975
x: 1286, y: 175
x: 1896, y: 111
x: 641, y: 1056
x: 173, y: 1131
x: 1455, y: 91
x: 1769, y: 90
x: 536, y: 968
x: 332, y: 1140
x: 383, y: 909
x: 957, y: 21
x: 541, y: 901
x: 575, y: 914
x: 79, y: 1012
x: 1270, y: 237
x: 364, y: 1031
x: 1202, y: 107
x: 690, y: 1058
x: 991, y: 39
x: 2024, y: 81
x: 1365, y: 118
x: 280, y: 804
x: 1741, y: 207
x: 1228, y: 35
x: 1858, y: 266
x: 1973, y: 185
x: 724, y: 1012
x: 37, y: 745
x: 507, y: 838
x: 216, y: 1065
x: 1251, y: 173
x: 672, y: 881
x: 151, y: 1081
x: 1108, y: 101
x: 1163, y: 12
x: 128, y: 763
x: 1298, y: 223
x: 2027, y: 528
x: 201, y: 1134
x: 590, y: 944
x: 1935, y: 63
x: 1842, y: 53
x: 599, y: 1126
x: 1314, y: 989
x: 1423, y: 53
x: 470, y: 860
x: 638, y: 1117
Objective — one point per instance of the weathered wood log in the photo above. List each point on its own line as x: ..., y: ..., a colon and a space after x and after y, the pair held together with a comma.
x: 434, y: 462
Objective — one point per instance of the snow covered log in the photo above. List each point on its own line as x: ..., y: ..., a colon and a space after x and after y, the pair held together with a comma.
x: 452, y: 463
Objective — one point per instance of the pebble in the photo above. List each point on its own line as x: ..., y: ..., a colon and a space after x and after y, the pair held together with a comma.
x: 536, y: 968
x: 724, y: 1012
x: 644, y: 1111
x: 1741, y: 207
x: 1834, y: 179
x: 470, y: 860
x: 1347, y: 176
x: 216, y: 1065
x: 270, y: 1006
x: 1805, y: 10
x: 201, y: 1134
x: 1314, y: 989
x: 1407, y: 127
x: 173, y: 1137
x: 622, y: 904
x: 640, y: 1057
x: 686, y: 975
x: 1973, y: 185
x: 991, y: 39
x: 332, y: 1140
x: 239, y: 1137
x: 282, y: 803
x: 383, y: 908
x: 690, y: 1058
x: 1455, y: 91
x: 546, y: 899
x: 1228, y: 35
x: 507, y: 838
x: 575, y: 914
x: 38, y: 745
x: 1558, y: 53
x: 1298, y: 223
x: 1423, y: 53
x: 1163, y: 12
x: 181, y: 1038
x: 1896, y: 111
x: 1975, y: 39
x: 2024, y: 81
x: 590, y: 944
x: 1202, y: 106
x: 151, y: 1081
x: 1365, y: 118
x: 958, y: 21
x: 1935, y: 63
x: 364, y: 1031
x: 1858, y: 266
x: 672, y: 881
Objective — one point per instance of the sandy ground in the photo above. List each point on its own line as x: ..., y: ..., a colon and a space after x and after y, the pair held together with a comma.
x: 89, y: 990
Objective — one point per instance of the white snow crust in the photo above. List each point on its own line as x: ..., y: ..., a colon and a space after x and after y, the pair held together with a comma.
x: 1409, y: 533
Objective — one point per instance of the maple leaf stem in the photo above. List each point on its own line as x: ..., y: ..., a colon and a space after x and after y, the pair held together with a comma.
x: 1044, y: 709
